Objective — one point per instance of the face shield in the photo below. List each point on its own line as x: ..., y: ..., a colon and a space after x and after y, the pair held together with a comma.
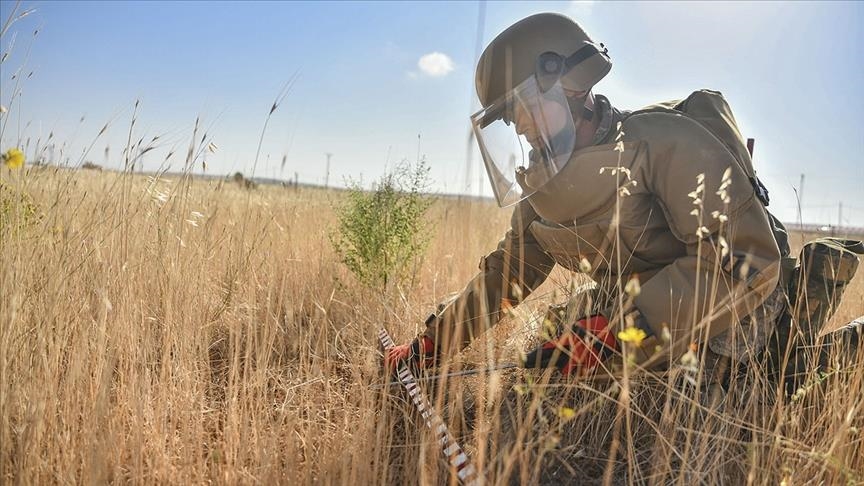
x: 529, y: 134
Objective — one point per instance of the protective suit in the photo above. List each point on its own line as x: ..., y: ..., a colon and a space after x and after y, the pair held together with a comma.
x: 689, y: 225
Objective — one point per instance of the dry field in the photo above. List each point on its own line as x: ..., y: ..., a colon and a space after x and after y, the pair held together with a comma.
x: 173, y: 331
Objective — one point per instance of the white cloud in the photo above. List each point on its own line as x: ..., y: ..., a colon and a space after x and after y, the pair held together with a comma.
x: 435, y: 64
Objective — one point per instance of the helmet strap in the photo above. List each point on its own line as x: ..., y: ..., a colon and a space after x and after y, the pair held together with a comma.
x: 586, y: 113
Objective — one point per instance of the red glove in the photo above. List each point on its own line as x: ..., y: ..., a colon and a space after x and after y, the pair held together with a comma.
x: 582, y: 349
x: 421, y: 350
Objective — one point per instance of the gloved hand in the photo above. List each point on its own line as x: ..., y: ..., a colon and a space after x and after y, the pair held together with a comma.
x: 420, y: 351
x: 581, y: 350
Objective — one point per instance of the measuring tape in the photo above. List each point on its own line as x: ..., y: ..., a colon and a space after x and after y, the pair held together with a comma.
x: 455, y: 455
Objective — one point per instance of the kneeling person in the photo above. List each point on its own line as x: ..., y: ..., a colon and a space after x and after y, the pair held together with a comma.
x: 613, y: 194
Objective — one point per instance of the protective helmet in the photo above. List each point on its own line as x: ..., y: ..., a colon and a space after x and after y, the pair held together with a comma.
x: 528, y: 80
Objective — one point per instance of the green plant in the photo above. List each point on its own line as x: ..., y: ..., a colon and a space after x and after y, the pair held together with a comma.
x: 17, y: 209
x: 382, y: 232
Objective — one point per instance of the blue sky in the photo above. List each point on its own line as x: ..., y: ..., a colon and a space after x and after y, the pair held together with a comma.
x: 793, y: 73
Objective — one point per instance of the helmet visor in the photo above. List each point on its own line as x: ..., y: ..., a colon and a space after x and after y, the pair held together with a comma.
x: 525, y: 138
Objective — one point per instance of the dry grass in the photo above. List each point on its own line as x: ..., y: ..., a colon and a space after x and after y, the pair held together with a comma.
x: 142, y: 342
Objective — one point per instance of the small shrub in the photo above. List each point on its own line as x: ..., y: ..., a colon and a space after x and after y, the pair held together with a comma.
x: 17, y: 209
x: 91, y: 166
x: 382, y: 232
x: 243, y: 181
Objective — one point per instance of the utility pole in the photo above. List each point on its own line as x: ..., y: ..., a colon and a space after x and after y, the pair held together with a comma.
x: 840, y: 215
x: 801, y: 198
x: 327, y: 174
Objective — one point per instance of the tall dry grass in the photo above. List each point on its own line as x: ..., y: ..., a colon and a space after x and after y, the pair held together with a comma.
x: 165, y: 330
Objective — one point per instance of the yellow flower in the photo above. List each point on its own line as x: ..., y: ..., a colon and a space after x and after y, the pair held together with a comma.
x: 632, y: 335
x: 13, y: 158
x: 566, y: 413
